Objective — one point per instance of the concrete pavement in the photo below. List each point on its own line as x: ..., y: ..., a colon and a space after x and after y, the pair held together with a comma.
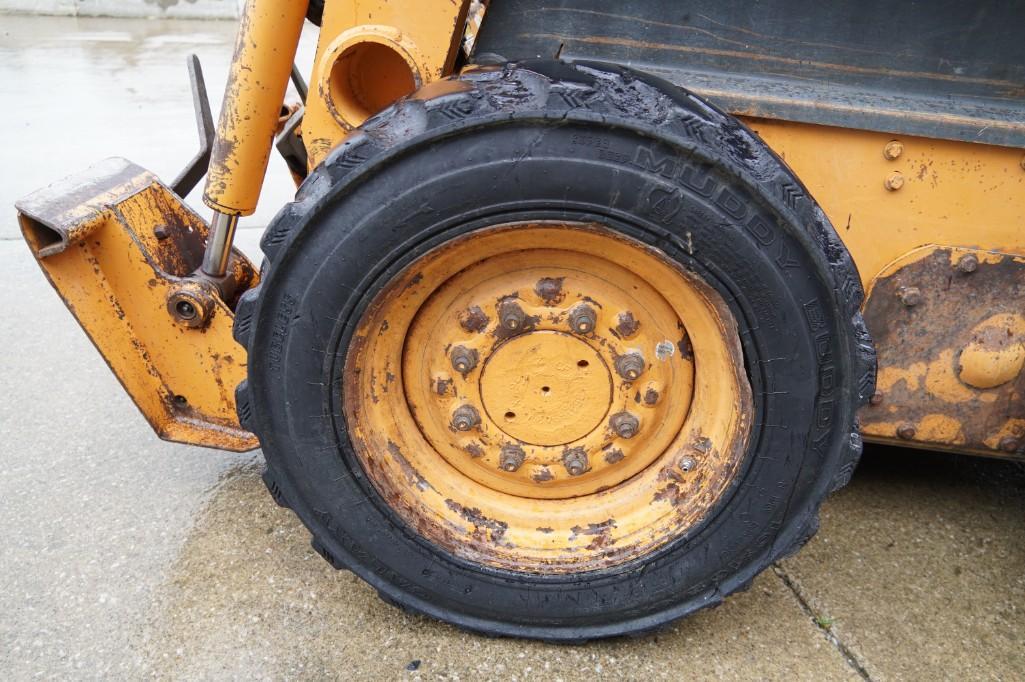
x: 127, y: 557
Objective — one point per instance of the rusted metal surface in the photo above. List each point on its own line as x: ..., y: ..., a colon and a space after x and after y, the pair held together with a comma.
x: 949, y: 328
x: 119, y: 247
x: 540, y: 455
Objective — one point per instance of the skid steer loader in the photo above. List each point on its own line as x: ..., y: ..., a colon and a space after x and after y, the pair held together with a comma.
x: 567, y: 332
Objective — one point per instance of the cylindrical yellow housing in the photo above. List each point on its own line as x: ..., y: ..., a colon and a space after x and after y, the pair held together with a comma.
x: 265, y: 48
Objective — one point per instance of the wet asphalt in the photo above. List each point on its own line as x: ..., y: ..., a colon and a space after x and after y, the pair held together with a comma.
x: 127, y: 557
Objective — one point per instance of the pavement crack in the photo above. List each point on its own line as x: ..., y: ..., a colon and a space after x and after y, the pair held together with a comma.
x: 848, y: 655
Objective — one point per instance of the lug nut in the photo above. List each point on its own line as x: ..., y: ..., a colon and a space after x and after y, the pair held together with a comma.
x: 967, y: 263
x: 624, y: 424
x: 549, y: 290
x: 511, y: 316
x: 463, y: 359
x: 687, y: 463
x: 1009, y: 444
x: 893, y: 149
x: 582, y: 319
x: 575, y: 461
x: 511, y: 457
x: 626, y: 324
x: 630, y: 365
x: 876, y: 398
x: 465, y: 418
x: 906, y: 431
x: 909, y: 296
x: 473, y: 319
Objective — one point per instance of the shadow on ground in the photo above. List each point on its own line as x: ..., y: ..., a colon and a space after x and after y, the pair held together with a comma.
x: 918, y: 571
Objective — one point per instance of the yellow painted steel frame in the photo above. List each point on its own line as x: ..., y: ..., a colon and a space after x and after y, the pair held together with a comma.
x: 371, y: 52
x: 895, y: 200
x: 118, y: 245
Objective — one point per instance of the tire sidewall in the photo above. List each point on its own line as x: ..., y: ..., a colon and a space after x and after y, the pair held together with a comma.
x: 729, y: 232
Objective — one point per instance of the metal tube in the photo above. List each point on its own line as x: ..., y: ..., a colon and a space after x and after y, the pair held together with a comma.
x: 265, y: 48
x: 218, y: 245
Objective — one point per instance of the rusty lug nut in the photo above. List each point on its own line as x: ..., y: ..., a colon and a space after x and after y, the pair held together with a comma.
x: 876, y: 398
x: 463, y: 359
x: 625, y: 425
x: 465, y: 418
x: 910, y: 296
x: 575, y: 461
x: 893, y: 149
x: 1009, y: 444
x: 967, y: 263
x: 582, y: 319
x: 906, y: 431
x: 894, y: 182
x: 630, y: 365
x: 511, y: 315
x: 511, y: 457
x: 687, y: 463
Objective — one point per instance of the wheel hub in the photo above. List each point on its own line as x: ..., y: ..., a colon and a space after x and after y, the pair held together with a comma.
x: 572, y: 360
x: 546, y: 388
x: 529, y: 397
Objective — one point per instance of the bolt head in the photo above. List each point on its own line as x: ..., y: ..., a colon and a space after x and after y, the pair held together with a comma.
x: 910, y: 296
x: 687, y: 463
x: 575, y: 461
x: 893, y: 149
x: 967, y: 263
x: 876, y: 398
x: 630, y: 365
x: 894, y: 181
x: 906, y: 431
x: 464, y: 359
x: 582, y: 319
x: 511, y: 315
x: 185, y: 310
x: 465, y: 418
x: 511, y: 457
x: 625, y: 425
x: 1009, y: 444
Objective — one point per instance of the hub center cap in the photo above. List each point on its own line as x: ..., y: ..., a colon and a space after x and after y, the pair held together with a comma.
x: 546, y: 388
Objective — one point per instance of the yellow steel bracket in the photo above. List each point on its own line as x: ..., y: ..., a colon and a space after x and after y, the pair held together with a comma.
x: 119, y: 247
x: 370, y: 53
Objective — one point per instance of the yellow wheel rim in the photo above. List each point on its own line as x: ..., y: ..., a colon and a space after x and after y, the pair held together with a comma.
x: 548, y: 397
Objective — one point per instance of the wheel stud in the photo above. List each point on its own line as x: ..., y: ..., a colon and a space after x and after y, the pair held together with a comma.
x: 465, y: 418
x: 630, y: 365
x: 575, y: 461
x: 511, y: 457
x: 511, y: 316
x: 582, y: 319
x: 624, y: 424
x: 687, y: 463
x: 463, y: 359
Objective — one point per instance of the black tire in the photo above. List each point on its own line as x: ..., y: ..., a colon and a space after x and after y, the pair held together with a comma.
x: 439, y: 165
